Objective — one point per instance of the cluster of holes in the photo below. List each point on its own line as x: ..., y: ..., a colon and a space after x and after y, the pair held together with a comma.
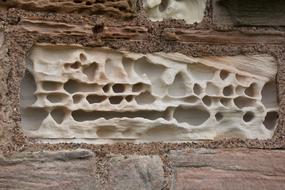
x: 73, y: 86
x: 135, y: 92
x: 209, y: 93
x: 141, y: 99
x: 145, y: 97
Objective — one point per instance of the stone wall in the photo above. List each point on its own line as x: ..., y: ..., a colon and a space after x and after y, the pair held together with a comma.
x: 238, y: 44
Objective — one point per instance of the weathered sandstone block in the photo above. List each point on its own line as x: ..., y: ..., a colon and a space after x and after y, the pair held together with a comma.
x: 49, y: 170
x: 190, y: 10
x: 136, y: 172
x: 79, y: 169
x: 105, y: 95
x: 228, y: 169
x: 118, y: 8
x: 249, y: 13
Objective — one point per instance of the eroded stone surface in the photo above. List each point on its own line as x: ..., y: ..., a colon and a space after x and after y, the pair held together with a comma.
x: 136, y: 172
x: 105, y: 95
x: 49, y: 170
x: 189, y: 10
x: 228, y: 169
x: 47, y: 156
x: 249, y: 13
x: 79, y: 169
x: 119, y: 8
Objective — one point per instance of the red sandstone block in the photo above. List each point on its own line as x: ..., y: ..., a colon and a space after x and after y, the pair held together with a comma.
x: 229, y: 169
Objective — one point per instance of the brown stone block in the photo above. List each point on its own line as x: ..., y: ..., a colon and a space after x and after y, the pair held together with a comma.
x: 249, y: 13
x: 48, y: 170
x: 116, y: 8
x: 79, y: 170
x: 136, y: 172
x: 229, y: 169
x: 215, y: 37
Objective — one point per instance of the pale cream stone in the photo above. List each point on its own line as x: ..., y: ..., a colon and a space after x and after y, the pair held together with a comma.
x: 104, y: 95
x: 190, y: 10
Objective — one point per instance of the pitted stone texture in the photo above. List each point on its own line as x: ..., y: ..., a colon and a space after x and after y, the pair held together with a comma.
x: 228, y: 169
x: 189, y: 10
x: 106, y: 95
x: 136, y: 172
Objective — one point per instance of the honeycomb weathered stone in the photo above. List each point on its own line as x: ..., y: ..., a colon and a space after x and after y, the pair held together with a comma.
x: 105, y: 95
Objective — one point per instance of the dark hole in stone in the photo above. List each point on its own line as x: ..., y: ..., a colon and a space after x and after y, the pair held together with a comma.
x: 58, y: 115
x: 197, y: 89
x: 118, y: 88
x: 251, y: 90
x: 228, y: 90
x: 192, y: 115
x: 81, y: 115
x: 88, y: 3
x: 224, y: 74
x: 248, y: 116
x: 71, y: 86
x: 93, y: 98
x: 77, y: 1
x: 56, y: 97
x: 270, y: 120
x: 242, y: 102
x: 75, y: 65
x: 51, y: 86
x: 207, y: 100
x: 98, y: 28
x: 122, y: 8
x: 106, y: 88
x: 137, y: 87
x: 129, y: 98
x: 115, y: 99
x: 82, y: 57
x: 219, y: 116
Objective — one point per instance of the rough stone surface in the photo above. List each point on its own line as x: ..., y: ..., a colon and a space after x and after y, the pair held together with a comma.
x: 119, y: 8
x: 189, y: 10
x: 136, y: 172
x: 249, y: 13
x: 228, y: 169
x: 49, y: 170
x: 104, y: 95
x: 79, y: 170
x: 24, y: 28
